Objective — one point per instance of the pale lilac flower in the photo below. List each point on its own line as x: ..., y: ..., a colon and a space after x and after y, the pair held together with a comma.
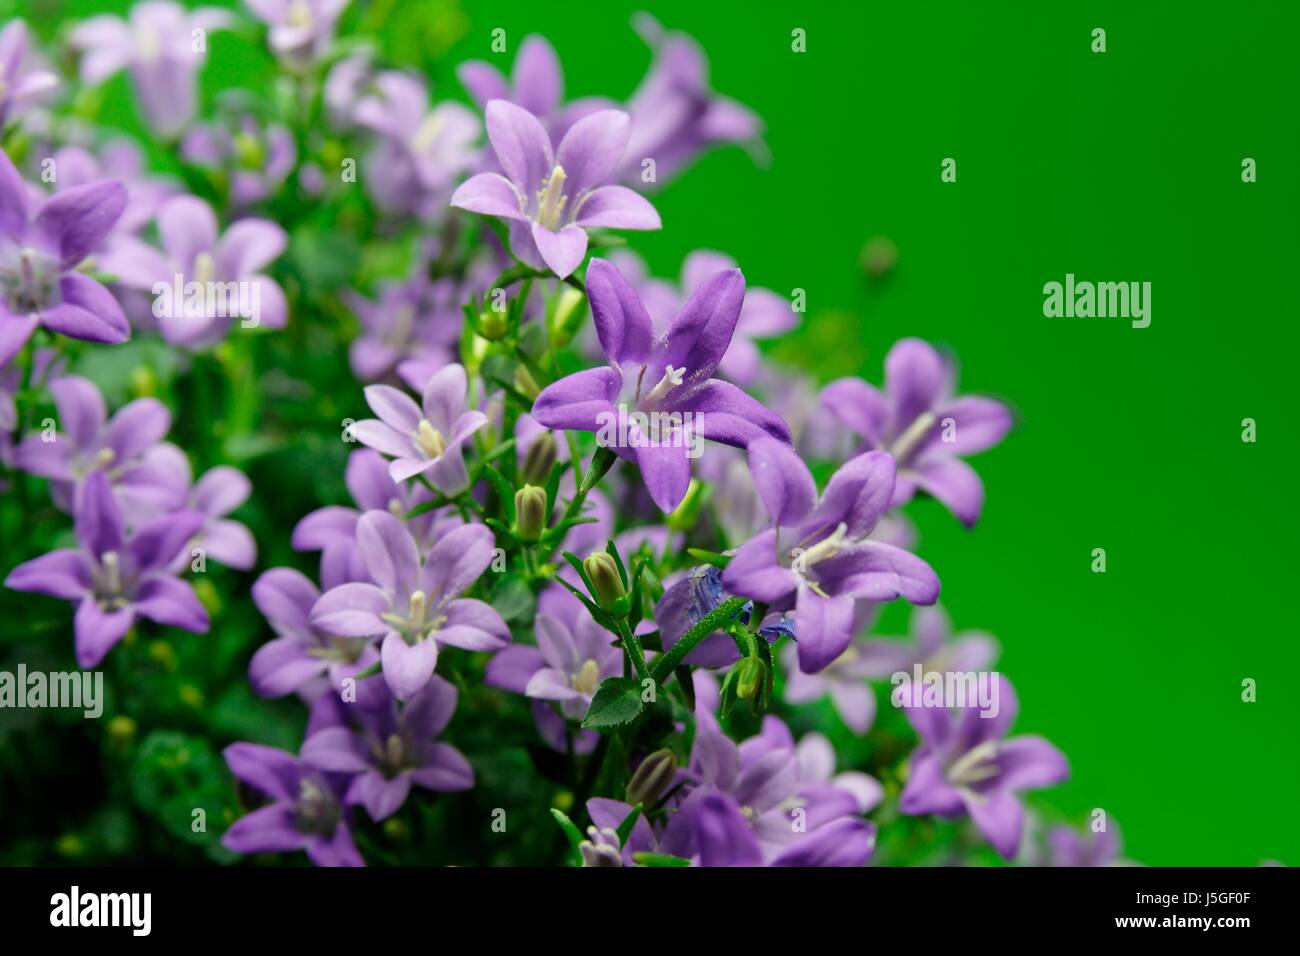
x: 215, y: 495
x: 121, y: 160
x: 225, y: 266
x: 150, y: 477
x: 1069, y: 847
x: 670, y: 375
x: 40, y: 249
x: 424, y: 439
x: 567, y: 666
x: 302, y: 31
x: 928, y: 431
x: 552, y: 197
x: 23, y: 81
x: 306, y: 811
x: 818, y: 556
x: 392, y: 750
x: 302, y: 656
x: 816, y: 759
x: 932, y: 644
x: 162, y: 45
x: 421, y: 152
x: 674, y: 114
x: 965, y: 767
x: 764, y: 314
x: 114, y: 576
x: 415, y: 602
x: 417, y: 318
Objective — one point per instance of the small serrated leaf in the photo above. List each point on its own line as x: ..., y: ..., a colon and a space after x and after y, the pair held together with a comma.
x: 617, y: 702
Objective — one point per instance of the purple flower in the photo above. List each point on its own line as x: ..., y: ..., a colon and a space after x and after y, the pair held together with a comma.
x: 415, y: 602
x: 536, y: 84
x: 215, y: 495
x: 552, y: 198
x: 254, y: 160
x: 420, y: 152
x: 393, y: 750
x: 122, y: 160
x: 764, y: 314
x: 301, y: 653
x: 39, y: 255
x: 965, y: 767
x: 305, y: 813
x: 693, y: 595
x: 1097, y: 848
x: 413, y: 319
x: 163, y: 46
x: 917, y: 420
x: 818, y: 556
x: 301, y: 30
x: 201, y: 279
x: 149, y: 477
x: 567, y: 666
x: 668, y: 377
x: 113, y: 577
x: 332, y: 530
x: 425, y: 438
x: 22, y: 81
x: 675, y: 115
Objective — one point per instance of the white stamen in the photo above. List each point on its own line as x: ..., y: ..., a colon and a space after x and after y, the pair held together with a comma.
x: 906, y: 443
x: 672, y: 378
x: 551, y: 200
x: 429, y: 440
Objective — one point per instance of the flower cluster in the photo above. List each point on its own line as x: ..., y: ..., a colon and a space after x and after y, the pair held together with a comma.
x: 604, y: 551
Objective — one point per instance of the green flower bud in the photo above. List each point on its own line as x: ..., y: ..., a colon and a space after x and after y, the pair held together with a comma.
x: 750, y: 676
x: 530, y: 512
x: 525, y: 383
x: 652, y: 778
x: 602, y: 571
x: 493, y: 325
x: 540, y: 459
x: 567, y: 316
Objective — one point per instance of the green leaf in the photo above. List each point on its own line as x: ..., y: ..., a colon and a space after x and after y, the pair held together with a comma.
x: 709, y: 557
x: 504, y: 491
x: 571, y: 831
x: 659, y: 859
x: 625, y: 828
x: 618, y: 561
x: 617, y: 702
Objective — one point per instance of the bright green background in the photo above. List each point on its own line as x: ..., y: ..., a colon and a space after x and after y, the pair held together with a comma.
x: 1117, y: 166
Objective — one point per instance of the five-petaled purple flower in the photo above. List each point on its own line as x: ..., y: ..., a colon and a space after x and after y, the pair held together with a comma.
x: 917, y: 420
x: 818, y: 557
x: 425, y: 438
x: 965, y: 767
x: 393, y: 749
x: 657, y: 396
x: 415, y: 600
x: 301, y: 30
x: 567, y: 666
x: 306, y: 811
x: 39, y: 254
x: 552, y: 198
x: 114, y: 577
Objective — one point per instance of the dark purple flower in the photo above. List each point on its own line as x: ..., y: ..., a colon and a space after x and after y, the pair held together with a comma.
x: 965, y: 767
x: 162, y: 45
x: 818, y: 556
x: 551, y: 198
x: 114, y: 577
x: 415, y: 602
x: 393, y: 749
x: 305, y: 813
x: 39, y: 255
x: 425, y: 439
x: 917, y: 420
x: 693, y: 595
x: 23, y: 82
x: 658, y: 393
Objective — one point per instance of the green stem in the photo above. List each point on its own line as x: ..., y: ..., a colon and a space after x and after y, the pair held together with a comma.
x: 632, y: 644
x: 715, y: 619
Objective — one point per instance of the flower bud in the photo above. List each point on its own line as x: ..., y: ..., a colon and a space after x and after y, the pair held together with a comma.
x: 493, y: 325
x: 652, y: 778
x: 750, y: 676
x: 686, y: 514
x: 567, y: 316
x: 540, y: 459
x: 525, y: 383
x: 530, y: 512
x: 602, y: 571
